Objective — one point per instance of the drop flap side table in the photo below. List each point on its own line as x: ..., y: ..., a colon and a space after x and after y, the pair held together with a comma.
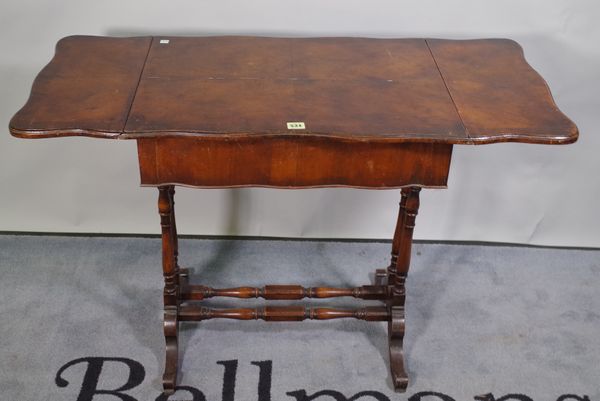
x: 234, y: 111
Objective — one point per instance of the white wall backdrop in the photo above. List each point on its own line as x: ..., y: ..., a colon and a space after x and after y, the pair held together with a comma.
x: 506, y: 192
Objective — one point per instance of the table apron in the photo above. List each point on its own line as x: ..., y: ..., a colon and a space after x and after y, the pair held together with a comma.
x: 291, y: 162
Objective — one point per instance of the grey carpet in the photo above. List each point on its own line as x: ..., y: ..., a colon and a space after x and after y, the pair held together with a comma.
x: 480, y: 319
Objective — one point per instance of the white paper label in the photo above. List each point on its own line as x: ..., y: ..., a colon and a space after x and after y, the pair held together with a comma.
x: 164, y: 41
x: 296, y: 125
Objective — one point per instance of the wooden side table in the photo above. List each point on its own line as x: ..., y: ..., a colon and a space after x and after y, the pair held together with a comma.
x: 222, y: 112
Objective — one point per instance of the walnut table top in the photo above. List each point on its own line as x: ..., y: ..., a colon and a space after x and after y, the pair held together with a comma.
x: 415, y: 90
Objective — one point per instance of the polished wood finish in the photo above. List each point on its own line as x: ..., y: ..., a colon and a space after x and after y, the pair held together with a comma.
x: 291, y: 162
x: 382, y: 90
x: 492, y: 87
x: 397, y: 272
x: 212, y: 112
x: 339, y: 87
x: 389, y: 287
x: 283, y: 313
x: 86, y: 90
x: 274, y: 292
x: 171, y: 293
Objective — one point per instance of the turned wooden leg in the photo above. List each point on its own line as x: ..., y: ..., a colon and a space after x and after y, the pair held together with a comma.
x: 171, y: 289
x: 174, y: 227
x: 182, y: 273
x: 397, y: 271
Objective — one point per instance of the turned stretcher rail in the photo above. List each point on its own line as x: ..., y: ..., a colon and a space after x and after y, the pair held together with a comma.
x: 274, y: 292
x: 282, y: 313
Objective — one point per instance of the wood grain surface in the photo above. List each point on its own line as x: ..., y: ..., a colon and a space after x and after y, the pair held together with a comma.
x: 86, y: 90
x: 367, y: 88
x: 498, y: 95
x: 284, y: 162
x: 363, y: 89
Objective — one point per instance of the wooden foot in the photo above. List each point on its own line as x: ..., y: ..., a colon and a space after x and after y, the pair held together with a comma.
x: 396, y: 338
x: 172, y: 350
